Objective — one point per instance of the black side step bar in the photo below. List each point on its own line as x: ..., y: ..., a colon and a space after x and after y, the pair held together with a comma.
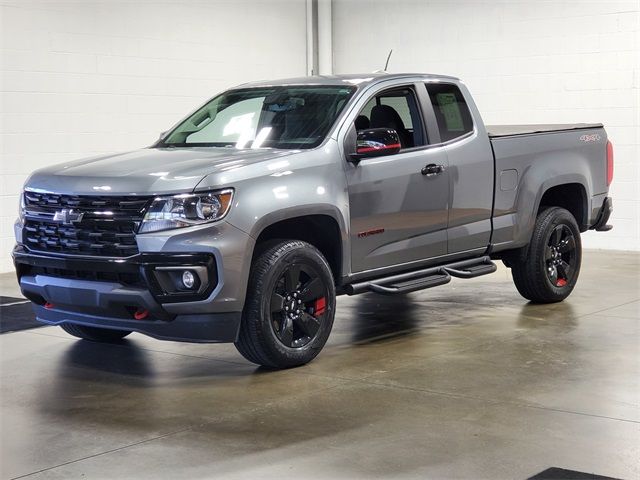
x: 425, y: 278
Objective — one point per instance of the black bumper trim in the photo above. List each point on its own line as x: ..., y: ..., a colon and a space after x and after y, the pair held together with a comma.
x: 207, y: 328
x: 603, y: 216
x: 141, y: 264
x: 84, y: 297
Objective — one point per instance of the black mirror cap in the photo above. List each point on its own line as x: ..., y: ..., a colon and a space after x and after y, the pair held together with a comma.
x: 376, y: 142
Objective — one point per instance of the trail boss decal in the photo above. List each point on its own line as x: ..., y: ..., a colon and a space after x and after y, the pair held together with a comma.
x: 368, y: 233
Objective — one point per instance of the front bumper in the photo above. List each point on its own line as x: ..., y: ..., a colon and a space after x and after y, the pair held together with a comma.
x: 197, y: 328
x: 111, y: 292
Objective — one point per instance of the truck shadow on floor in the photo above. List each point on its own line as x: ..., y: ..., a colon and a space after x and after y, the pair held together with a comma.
x: 369, y: 319
x: 126, y: 388
x: 373, y: 318
x: 123, y: 360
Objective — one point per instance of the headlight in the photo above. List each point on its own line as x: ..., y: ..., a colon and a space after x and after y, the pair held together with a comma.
x: 186, y: 210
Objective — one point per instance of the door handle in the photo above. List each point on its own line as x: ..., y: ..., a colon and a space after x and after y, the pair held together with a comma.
x: 432, y: 169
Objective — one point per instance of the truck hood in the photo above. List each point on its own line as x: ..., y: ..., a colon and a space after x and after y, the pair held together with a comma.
x: 149, y: 171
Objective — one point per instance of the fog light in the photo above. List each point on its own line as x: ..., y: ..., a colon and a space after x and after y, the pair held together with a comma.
x: 188, y: 280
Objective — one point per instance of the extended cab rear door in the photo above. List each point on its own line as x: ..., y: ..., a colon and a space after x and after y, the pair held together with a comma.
x: 453, y: 114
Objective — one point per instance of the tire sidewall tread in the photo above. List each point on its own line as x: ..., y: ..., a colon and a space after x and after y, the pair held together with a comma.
x: 529, y: 271
x: 257, y: 341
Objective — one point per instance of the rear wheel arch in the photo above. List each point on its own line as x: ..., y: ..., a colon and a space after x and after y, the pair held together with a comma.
x: 568, y: 192
x: 571, y: 196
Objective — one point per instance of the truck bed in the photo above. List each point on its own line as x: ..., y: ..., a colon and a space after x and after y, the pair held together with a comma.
x: 495, y: 131
x: 532, y: 158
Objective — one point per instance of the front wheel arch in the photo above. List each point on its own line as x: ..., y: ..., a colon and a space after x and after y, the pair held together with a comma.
x: 320, y: 230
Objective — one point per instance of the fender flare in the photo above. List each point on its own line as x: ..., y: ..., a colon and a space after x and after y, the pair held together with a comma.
x: 301, y: 211
x: 529, y: 218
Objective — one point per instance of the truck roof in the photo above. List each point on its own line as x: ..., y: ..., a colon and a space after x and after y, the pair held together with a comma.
x: 361, y: 79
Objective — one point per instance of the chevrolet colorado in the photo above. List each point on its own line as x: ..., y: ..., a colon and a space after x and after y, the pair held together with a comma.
x: 247, y: 218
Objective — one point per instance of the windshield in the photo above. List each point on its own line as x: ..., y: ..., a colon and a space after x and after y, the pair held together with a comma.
x: 273, y: 117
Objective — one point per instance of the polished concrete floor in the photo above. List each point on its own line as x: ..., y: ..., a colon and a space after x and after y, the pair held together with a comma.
x: 461, y: 381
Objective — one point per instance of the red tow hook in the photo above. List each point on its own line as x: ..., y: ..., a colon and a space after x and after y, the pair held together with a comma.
x: 141, y: 314
x: 48, y: 305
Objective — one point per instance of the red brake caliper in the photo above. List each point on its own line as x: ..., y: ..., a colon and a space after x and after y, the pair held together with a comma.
x: 319, y: 306
x: 561, y: 282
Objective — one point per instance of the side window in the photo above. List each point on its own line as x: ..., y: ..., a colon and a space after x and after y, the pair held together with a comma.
x: 397, y: 109
x: 400, y: 105
x: 452, y: 112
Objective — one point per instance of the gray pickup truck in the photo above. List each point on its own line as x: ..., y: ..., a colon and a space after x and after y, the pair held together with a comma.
x: 246, y: 220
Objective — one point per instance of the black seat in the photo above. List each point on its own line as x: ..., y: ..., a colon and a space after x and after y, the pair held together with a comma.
x: 384, y: 116
x: 362, y: 122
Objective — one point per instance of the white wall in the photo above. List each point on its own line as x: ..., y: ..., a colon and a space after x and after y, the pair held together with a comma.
x: 85, y: 77
x: 525, y: 61
x: 80, y: 78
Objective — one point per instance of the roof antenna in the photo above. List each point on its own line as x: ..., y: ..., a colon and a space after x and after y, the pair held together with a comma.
x: 388, y: 58
x: 386, y: 63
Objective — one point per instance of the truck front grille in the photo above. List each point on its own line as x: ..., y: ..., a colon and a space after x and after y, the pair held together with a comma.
x: 106, y: 228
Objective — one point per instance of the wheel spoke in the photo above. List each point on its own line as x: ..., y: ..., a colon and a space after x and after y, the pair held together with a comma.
x: 298, y: 289
x: 568, y: 244
x: 312, y: 290
x: 556, y: 236
x: 286, y: 334
x: 292, y: 278
x: 308, y: 324
x: 277, y: 303
x: 564, y: 269
x: 553, y: 273
x: 548, y: 253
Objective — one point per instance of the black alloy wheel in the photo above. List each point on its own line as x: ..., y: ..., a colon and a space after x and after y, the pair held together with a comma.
x: 290, y: 305
x: 546, y: 270
x: 298, y: 305
x: 560, y: 256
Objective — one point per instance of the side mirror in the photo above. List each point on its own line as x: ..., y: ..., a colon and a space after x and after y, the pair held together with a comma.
x: 376, y: 142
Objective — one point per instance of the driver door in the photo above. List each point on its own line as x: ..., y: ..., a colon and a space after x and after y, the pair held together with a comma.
x: 398, y: 212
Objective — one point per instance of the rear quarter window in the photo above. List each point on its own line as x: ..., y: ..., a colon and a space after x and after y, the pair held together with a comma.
x: 451, y: 111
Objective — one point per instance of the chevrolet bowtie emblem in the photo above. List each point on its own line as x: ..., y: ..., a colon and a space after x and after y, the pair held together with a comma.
x: 68, y: 216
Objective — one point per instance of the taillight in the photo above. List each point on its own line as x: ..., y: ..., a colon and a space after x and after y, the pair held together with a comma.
x: 609, y: 163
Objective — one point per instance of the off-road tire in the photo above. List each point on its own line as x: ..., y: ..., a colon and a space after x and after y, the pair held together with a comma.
x: 259, y: 338
x: 530, y: 269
